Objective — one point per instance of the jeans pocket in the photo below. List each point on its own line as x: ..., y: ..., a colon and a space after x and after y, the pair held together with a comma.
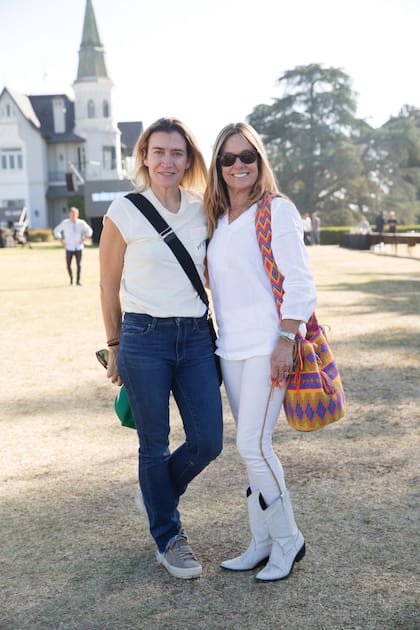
x: 137, y: 326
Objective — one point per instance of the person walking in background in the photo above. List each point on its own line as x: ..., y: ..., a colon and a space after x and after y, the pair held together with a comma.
x: 158, y: 334
x: 316, y: 228
x: 72, y: 233
x: 307, y: 229
x: 255, y: 348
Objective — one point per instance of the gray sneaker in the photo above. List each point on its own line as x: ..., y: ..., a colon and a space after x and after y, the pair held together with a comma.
x: 179, y: 559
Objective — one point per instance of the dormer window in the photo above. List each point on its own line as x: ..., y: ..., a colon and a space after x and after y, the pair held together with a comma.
x: 91, y: 109
x: 59, y: 115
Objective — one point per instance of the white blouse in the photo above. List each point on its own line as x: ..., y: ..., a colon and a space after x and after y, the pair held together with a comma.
x: 153, y: 281
x: 247, y: 319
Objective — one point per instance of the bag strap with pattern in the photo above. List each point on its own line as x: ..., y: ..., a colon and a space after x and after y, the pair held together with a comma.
x: 264, y: 237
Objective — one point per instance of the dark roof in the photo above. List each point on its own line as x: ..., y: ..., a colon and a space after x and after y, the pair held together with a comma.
x: 130, y: 132
x: 42, y: 105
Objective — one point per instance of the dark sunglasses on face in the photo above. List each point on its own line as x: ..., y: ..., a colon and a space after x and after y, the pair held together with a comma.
x: 247, y: 157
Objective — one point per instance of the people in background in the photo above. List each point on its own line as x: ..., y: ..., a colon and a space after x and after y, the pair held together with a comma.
x: 364, y: 226
x: 392, y: 222
x: 380, y: 221
x: 307, y: 229
x: 316, y: 228
x: 72, y: 233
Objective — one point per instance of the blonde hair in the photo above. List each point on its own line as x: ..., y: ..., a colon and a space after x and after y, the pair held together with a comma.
x: 195, y: 177
x: 216, y: 196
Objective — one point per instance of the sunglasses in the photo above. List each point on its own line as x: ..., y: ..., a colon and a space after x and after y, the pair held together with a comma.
x: 103, y: 356
x: 247, y: 157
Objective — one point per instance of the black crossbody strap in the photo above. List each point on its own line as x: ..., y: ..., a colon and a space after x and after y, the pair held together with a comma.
x: 172, y: 241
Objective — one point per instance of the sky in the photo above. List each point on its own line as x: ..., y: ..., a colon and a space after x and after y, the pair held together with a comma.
x: 210, y: 62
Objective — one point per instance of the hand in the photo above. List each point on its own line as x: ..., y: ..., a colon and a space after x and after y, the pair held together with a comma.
x: 112, y: 369
x: 281, y: 361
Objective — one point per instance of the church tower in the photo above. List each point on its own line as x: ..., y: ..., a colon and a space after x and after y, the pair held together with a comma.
x: 93, y: 107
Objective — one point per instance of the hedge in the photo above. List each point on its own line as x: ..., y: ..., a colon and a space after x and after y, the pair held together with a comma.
x: 332, y: 235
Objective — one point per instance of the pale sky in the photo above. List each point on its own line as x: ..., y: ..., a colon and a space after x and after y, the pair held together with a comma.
x: 210, y: 62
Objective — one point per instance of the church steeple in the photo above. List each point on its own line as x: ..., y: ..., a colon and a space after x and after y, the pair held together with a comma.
x: 92, y: 53
x: 94, y: 117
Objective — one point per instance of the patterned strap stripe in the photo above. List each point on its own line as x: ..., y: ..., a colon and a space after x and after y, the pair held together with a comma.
x: 264, y: 234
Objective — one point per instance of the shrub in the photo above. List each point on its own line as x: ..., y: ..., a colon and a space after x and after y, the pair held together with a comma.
x: 40, y: 235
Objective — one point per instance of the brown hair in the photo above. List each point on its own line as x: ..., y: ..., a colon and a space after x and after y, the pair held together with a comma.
x: 216, y: 196
x: 195, y: 177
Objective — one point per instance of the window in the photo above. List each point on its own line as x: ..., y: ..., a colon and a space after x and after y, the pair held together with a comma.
x: 91, y: 109
x: 6, y: 111
x: 108, y: 158
x: 105, y: 109
x: 11, y: 159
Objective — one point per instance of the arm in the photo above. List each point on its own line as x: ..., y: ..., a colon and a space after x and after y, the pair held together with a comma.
x: 299, y: 289
x: 111, y: 261
x: 88, y: 232
x: 58, y: 232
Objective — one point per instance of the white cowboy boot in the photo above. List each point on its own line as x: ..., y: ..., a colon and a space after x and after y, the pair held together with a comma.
x: 260, y: 545
x: 288, y: 545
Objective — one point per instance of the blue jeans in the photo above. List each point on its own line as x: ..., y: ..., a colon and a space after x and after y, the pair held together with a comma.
x: 158, y: 356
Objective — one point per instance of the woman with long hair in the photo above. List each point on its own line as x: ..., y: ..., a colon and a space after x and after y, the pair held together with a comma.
x: 255, y: 346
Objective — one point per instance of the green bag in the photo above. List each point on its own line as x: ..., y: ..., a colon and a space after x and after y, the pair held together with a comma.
x: 123, y: 409
x: 121, y: 402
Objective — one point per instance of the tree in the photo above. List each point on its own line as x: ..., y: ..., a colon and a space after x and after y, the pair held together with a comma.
x: 310, y: 137
x: 397, y: 143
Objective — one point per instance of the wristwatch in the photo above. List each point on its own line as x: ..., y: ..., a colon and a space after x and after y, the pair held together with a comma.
x: 287, y: 335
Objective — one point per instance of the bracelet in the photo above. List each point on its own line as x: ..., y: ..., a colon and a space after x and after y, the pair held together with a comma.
x: 113, y: 342
x: 289, y: 337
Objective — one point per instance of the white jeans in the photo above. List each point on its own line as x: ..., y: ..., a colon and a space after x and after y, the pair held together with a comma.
x: 248, y: 384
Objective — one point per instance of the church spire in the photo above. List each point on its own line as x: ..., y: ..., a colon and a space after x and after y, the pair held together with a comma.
x: 92, y: 53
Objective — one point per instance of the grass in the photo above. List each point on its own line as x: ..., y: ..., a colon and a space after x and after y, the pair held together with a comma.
x: 75, y: 553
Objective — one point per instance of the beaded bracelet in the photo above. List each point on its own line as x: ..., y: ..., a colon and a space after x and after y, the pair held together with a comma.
x: 112, y: 342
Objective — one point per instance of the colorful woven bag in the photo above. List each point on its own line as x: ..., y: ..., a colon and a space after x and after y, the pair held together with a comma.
x: 314, y: 396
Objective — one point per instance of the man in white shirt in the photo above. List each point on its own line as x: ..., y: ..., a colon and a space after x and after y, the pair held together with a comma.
x: 307, y: 229
x: 72, y: 233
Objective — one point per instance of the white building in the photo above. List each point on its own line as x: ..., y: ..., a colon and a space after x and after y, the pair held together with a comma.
x: 44, y: 137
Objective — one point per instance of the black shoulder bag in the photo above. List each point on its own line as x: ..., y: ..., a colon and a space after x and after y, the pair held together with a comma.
x: 181, y: 254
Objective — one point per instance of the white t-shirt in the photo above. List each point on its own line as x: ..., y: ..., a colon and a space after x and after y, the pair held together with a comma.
x: 247, y: 319
x: 153, y: 281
